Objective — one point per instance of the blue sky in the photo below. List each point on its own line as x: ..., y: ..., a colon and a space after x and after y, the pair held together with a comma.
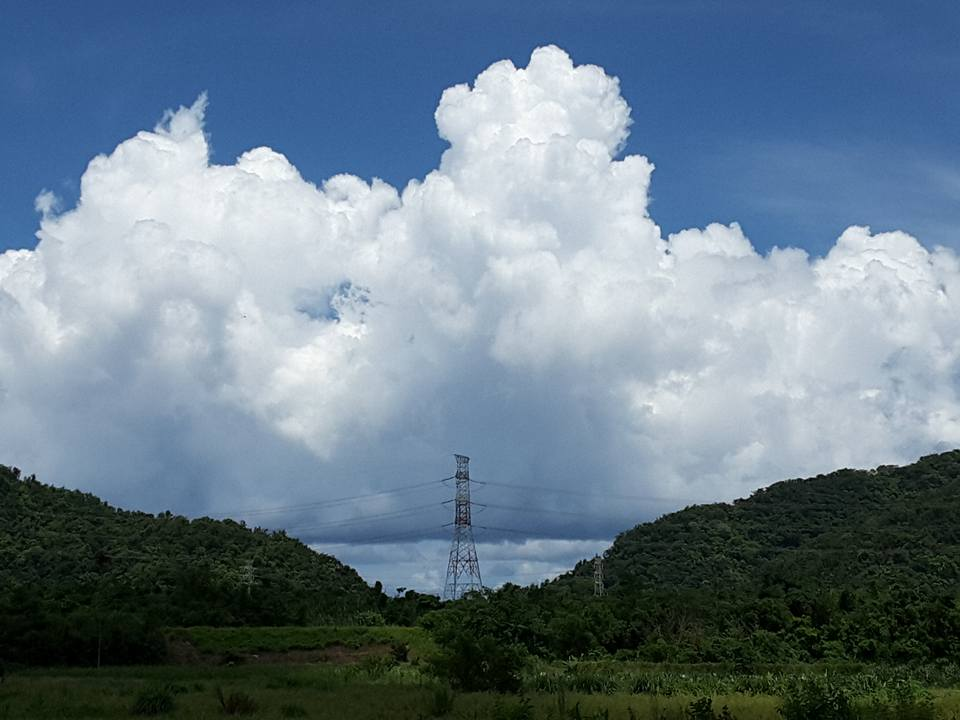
x: 207, y: 340
x: 796, y: 122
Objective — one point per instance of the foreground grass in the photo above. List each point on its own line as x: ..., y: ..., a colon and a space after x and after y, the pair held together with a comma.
x: 368, y: 691
x: 313, y: 693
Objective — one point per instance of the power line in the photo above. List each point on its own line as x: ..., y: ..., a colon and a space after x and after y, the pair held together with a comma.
x: 580, y: 493
x: 502, y: 529
x: 539, y: 511
x: 403, y: 512
x: 392, y: 536
x: 333, y: 501
x: 366, y: 518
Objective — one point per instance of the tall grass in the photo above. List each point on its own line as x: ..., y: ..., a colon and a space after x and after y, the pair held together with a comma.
x: 400, y: 691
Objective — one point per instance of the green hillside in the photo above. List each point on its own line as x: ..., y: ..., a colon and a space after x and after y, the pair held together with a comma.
x: 852, y: 566
x: 73, y: 569
x: 858, y: 529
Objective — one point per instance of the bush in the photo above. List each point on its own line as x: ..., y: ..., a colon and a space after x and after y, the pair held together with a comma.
x: 400, y: 652
x: 816, y: 698
x: 369, y: 618
x: 702, y: 709
x: 901, y: 700
x: 375, y: 667
x: 153, y: 701
x: 522, y: 710
x: 481, y: 664
x: 237, y: 703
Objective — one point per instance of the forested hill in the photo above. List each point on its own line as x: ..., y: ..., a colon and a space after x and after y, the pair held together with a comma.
x: 883, y: 528
x: 854, y: 566
x: 65, y: 552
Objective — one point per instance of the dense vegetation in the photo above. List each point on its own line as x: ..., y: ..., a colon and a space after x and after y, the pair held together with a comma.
x: 853, y: 566
x: 77, y: 574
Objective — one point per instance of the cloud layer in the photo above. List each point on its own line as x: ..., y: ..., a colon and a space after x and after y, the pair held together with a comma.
x: 209, y: 337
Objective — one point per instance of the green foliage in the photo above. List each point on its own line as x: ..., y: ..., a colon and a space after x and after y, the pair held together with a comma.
x: 252, y: 640
x: 854, y: 566
x: 400, y: 651
x: 77, y: 575
x: 477, y: 664
x: 702, y: 709
x: 900, y: 700
x: 154, y: 701
x: 816, y: 698
x: 374, y: 667
x: 507, y: 710
x: 369, y: 618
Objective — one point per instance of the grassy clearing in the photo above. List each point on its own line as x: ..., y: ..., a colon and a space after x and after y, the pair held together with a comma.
x: 313, y: 692
x: 245, y: 640
x: 277, y: 691
x: 366, y: 691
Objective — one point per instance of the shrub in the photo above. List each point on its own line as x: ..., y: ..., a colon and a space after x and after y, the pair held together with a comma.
x: 815, y: 698
x: 236, y: 703
x: 153, y: 701
x: 375, y: 667
x: 481, y: 664
x: 901, y: 700
x: 522, y: 710
x: 400, y: 652
x: 702, y: 709
x: 369, y: 618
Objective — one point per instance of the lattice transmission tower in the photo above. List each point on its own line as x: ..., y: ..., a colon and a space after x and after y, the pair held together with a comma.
x: 463, y: 569
x: 598, y: 588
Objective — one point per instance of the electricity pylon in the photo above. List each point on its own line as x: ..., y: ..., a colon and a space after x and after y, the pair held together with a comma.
x: 598, y: 576
x: 463, y: 569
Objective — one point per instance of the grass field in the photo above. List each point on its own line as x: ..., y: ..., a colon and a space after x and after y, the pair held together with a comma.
x: 376, y: 686
x: 354, y: 693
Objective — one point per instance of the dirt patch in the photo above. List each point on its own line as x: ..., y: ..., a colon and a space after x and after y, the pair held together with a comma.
x: 182, y: 652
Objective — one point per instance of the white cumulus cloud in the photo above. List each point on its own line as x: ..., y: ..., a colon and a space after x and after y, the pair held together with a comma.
x: 206, y: 336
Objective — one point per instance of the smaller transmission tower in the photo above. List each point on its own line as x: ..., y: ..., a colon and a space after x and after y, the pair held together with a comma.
x: 598, y: 576
x: 463, y: 569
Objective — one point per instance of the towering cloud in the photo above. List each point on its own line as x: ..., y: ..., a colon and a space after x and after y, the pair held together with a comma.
x: 206, y: 337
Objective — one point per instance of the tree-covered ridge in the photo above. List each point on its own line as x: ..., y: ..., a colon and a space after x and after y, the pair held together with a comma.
x: 849, y: 528
x: 853, y: 566
x: 68, y: 559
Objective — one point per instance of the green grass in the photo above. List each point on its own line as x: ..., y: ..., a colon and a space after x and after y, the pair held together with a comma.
x: 243, y: 640
x: 359, y: 692
x: 321, y: 691
x: 380, y: 689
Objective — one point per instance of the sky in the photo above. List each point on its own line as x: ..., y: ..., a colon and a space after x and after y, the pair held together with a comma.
x: 280, y: 263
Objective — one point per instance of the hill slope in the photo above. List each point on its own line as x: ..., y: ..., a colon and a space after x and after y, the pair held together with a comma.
x: 853, y: 565
x: 68, y: 561
x: 893, y: 526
